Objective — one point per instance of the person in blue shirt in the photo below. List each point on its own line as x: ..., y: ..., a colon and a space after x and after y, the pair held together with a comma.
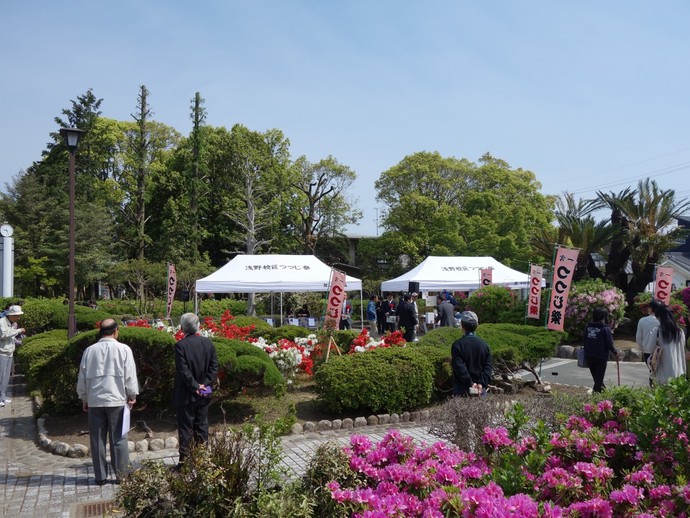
x: 371, y: 316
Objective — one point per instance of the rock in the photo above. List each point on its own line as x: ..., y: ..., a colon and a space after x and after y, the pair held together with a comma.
x: 337, y: 424
x: 566, y: 351
x: 171, y: 443
x: 384, y: 418
x: 61, y: 448
x: 544, y: 388
x: 372, y: 420
x: 141, y: 446
x: 633, y: 355
x: 395, y: 418
x: 130, y: 446
x: 405, y: 417
x: 78, y: 451
x: 414, y: 416
x: 309, y: 426
x: 424, y: 415
x: 348, y: 424
x: 156, y: 444
x: 296, y: 429
x: 41, y: 425
x: 324, y: 425
x: 360, y: 421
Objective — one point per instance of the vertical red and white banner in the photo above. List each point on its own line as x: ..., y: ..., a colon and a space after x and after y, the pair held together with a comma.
x: 336, y: 292
x: 663, y: 284
x: 536, y: 275
x: 563, y: 269
x: 486, y: 277
x: 172, y: 286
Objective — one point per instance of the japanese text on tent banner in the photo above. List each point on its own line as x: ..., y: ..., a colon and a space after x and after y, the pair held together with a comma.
x: 663, y: 284
x: 336, y: 293
x: 172, y: 286
x: 563, y: 269
x: 536, y: 275
x: 486, y: 276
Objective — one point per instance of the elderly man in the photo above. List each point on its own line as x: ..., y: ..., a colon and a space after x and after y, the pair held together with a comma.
x: 470, y: 359
x: 196, y: 367
x: 8, y: 334
x: 107, y: 383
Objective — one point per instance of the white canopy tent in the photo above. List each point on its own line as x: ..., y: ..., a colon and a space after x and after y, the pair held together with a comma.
x: 272, y: 274
x: 456, y: 274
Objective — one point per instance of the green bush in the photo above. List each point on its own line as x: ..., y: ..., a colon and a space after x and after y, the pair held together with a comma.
x: 383, y: 380
x: 273, y: 334
x: 216, y: 308
x: 490, y: 302
x: 38, y: 351
x: 45, y: 314
x: 261, y: 327
x: 154, y: 356
x: 441, y: 337
x: 245, y: 365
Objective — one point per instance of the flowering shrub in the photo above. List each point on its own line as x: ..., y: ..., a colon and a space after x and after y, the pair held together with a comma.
x: 365, y: 342
x: 591, y: 465
x: 490, y: 301
x: 587, y: 295
x: 288, y: 356
x: 226, y: 328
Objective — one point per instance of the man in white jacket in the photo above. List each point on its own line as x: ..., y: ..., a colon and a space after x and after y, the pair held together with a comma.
x: 107, y: 382
x: 8, y: 334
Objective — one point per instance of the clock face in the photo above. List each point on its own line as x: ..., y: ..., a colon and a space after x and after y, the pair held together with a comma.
x: 6, y: 230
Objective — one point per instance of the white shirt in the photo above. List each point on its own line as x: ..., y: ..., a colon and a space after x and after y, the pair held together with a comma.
x: 107, y: 374
x: 7, y: 334
x: 646, y: 333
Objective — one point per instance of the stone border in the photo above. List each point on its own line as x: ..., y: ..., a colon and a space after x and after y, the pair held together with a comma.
x: 78, y: 451
x: 350, y: 424
x: 570, y: 352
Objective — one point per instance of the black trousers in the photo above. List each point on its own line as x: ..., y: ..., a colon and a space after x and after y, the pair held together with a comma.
x: 192, y: 425
x: 409, y: 333
x: 597, y: 367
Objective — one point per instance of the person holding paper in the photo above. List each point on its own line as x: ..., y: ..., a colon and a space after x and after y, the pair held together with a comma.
x: 196, y: 367
x: 107, y: 383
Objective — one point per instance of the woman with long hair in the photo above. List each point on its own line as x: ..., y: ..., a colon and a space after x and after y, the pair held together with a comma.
x: 671, y: 339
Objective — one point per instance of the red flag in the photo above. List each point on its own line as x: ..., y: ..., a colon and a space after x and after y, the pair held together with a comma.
x: 536, y: 275
x: 563, y: 269
x: 663, y: 284
x: 336, y: 292
x: 486, y: 276
x: 172, y: 286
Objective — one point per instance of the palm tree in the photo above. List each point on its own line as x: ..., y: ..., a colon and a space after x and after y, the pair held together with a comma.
x: 645, y: 217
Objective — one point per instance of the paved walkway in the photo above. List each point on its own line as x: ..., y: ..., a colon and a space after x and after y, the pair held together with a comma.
x: 39, y: 484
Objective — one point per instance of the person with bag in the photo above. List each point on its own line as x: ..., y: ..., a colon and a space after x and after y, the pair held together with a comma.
x: 668, y: 360
x: 598, y: 346
x: 645, y: 336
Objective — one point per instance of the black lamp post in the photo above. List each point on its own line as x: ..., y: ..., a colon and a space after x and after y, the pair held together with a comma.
x: 71, y: 136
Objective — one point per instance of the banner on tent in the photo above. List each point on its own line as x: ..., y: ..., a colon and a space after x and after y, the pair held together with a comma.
x: 563, y: 269
x: 172, y: 286
x: 663, y: 284
x: 486, y: 276
x: 336, y: 292
x: 536, y: 275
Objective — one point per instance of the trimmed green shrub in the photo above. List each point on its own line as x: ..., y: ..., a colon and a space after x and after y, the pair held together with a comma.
x: 343, y: 339
x: 288, y: 332
x: 490, y: 302
x: 383, y: 380
x: 441, y: 337
x: 45, y: 314
x: 261, y: 327
x: 216, y: 308
x: 154, y: 355
x: 245, y: 365
x: 38, y: 351
x: 439, y: 356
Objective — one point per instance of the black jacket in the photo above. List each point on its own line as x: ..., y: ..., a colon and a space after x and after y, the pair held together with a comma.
x: 471, y: 361
x: 196, y: 364
x: 598, y: 341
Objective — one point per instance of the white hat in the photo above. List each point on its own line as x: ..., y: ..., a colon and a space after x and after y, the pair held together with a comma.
x: 14, y: 310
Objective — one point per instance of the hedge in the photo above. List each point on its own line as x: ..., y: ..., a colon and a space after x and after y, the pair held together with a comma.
x: 383, y: 380
x: 38, y: 351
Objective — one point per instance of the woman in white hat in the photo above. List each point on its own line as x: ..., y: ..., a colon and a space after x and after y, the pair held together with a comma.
x: 7, y: 336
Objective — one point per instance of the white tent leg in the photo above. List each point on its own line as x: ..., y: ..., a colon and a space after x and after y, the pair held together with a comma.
x: 281, y: 308
x: 361, y: 308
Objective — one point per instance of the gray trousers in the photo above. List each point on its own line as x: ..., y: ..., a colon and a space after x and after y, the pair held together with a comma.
x: 108, y: 421
x: 5, y: 375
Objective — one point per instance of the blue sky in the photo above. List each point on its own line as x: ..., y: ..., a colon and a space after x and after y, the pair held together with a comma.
x: 587, y: 95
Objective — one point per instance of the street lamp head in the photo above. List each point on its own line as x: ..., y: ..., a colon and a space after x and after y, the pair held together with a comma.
x: 71, y: 136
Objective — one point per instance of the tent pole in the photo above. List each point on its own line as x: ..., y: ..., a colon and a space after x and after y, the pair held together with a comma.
x: 196, y: 303
x: 272, y: 300
x: 281, y: 308
x: 361, y: 308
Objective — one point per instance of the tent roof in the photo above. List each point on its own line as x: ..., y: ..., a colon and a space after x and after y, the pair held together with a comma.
x: 457, y: 274
x: 271, y: 273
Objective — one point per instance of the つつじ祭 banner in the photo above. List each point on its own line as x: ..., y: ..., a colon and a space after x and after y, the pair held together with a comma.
x: 536, y: 275
x: 336, y: 295
x: 563, y: 270
x: 663, y: 284
x: 172, y: 286
x: 486, y: 276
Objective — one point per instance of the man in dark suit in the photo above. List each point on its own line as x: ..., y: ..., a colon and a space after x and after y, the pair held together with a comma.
x: 196, y: 367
